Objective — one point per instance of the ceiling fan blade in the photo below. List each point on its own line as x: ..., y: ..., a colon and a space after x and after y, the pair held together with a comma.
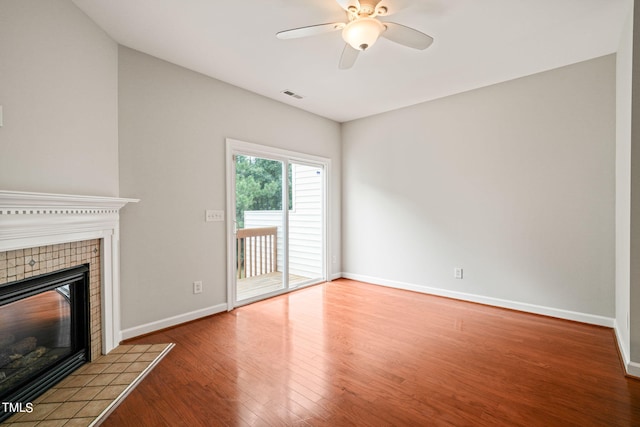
x: 346, y: 4
x: 348, y: 58
x: 406, y: 36
x: 311, y: 30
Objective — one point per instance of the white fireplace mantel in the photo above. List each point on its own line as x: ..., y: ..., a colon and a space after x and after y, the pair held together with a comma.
x: 39, y: 219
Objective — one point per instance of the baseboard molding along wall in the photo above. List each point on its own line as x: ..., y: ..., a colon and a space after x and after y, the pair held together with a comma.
x: 632, y: 368
x: 496, y: 302
x: 172, y: 321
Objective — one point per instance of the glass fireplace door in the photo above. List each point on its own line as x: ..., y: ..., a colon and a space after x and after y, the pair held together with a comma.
x: 43, y: 332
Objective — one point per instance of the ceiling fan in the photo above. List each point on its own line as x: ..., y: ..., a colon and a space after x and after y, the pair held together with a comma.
x: 362, y: 30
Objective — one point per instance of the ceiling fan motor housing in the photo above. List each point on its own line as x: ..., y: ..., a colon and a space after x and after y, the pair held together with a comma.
x: 368, y: 7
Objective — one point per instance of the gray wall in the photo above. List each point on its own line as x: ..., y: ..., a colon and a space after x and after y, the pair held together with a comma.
x: 624, y: 66
x: 634, y: 298
x: 514, y: 182
x: 173, y: 125
x: 58, y: 89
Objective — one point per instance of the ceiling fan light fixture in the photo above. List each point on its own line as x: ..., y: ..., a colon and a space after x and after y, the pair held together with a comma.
x: 362, y: 33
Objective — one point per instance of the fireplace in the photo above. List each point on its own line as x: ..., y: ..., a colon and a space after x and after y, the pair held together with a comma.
x: 44, y: 332
x: 44, y: 234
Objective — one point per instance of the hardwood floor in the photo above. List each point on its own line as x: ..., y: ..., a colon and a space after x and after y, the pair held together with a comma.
x: 347, y: 353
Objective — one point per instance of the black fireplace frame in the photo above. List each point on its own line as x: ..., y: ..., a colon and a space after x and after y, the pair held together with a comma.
x: 78, y: 279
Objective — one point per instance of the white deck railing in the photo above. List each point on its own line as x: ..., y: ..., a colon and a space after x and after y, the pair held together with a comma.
x: 257, y: 251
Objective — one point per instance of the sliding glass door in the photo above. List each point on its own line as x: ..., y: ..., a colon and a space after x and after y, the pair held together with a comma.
x: 277, y: 237
x: 306, y: 245
x: 259, y: 227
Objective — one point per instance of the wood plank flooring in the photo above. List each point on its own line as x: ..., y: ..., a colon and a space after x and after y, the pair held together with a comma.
x: 348, y: 353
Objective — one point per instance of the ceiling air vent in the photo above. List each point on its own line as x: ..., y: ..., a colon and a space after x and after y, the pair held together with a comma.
x: 292, y: 94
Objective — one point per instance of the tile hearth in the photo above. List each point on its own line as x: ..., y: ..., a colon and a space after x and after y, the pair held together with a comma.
x: 87, y: 396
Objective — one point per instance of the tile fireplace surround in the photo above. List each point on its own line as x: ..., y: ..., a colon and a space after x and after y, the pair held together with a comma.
x: 40, y: 233
x: 25, y: 263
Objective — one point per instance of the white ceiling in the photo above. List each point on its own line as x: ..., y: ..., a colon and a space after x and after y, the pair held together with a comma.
x: 477, y: 43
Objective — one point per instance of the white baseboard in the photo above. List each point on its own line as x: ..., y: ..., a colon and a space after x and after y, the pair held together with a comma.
x: 172, y: 321
x: 623, y: 351
x: 632, y: 368
x: 335, y: 276
x: 497, y: 302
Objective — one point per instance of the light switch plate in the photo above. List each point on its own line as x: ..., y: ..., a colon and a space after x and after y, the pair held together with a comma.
x: 212, y: 216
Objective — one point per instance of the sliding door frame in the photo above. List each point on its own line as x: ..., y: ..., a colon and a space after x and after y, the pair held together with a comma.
x: 236, y: 147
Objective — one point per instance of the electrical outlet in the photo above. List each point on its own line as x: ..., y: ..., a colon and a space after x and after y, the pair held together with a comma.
x: 457, y: 273
x: 197, y: 287
x: 211, y: 216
